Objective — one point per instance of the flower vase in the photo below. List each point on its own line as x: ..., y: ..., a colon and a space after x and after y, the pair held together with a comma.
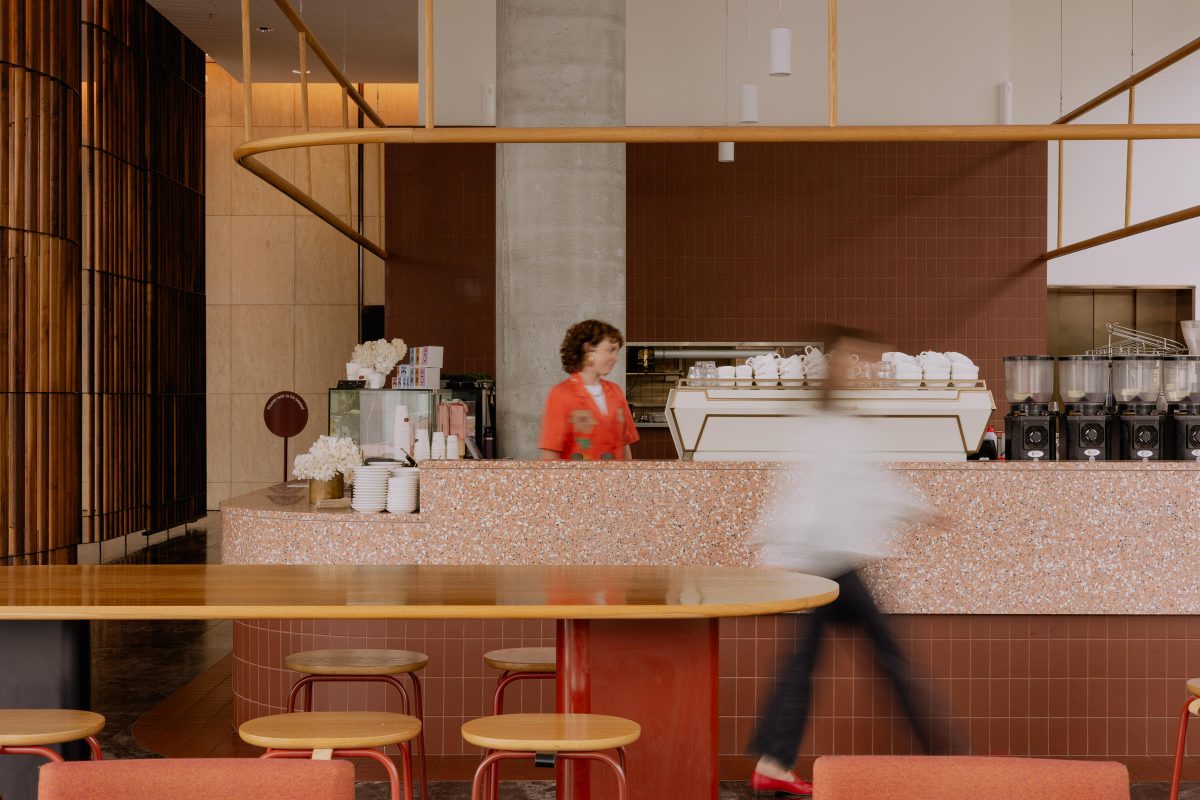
x: 331, y: 489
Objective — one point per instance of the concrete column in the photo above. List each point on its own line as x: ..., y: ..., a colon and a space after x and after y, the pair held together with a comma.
x: 560, y: 209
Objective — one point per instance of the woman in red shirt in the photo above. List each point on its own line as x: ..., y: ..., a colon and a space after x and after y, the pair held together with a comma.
x: 587, y: 418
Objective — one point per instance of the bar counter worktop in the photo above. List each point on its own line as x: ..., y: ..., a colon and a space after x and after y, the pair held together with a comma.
x: 1052, y: 610
x: 1012, y: 538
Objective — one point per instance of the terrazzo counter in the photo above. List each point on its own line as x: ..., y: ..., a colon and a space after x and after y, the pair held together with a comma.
x: 1013, y: 538
x: 1052, y: 611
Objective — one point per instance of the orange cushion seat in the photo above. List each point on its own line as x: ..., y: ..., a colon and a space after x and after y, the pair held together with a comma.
x: 197, y: 779
x: 966, y: 778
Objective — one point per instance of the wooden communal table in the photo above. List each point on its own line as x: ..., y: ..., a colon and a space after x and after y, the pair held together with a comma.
x: 637, y: 642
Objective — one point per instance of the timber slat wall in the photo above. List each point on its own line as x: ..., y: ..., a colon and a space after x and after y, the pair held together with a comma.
x: 144, y: 164
x: 40, y: 301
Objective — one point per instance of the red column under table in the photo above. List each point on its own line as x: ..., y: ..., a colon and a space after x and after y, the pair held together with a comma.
x: 661, y: 674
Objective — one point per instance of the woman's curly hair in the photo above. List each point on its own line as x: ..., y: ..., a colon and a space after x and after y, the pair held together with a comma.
x: 590, y: 331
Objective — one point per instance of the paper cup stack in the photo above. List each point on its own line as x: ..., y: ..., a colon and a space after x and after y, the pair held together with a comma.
x: 420, y: 451
x: 438, y: 451
x: 403, y: 490
x: 371, y: 488
x: 402, y: 433
x: 452, y: 447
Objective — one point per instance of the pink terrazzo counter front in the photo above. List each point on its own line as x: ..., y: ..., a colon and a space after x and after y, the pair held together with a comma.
x: 1019, y: 538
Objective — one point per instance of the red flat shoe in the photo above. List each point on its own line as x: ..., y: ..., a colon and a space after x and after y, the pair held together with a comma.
x: 799, y: 787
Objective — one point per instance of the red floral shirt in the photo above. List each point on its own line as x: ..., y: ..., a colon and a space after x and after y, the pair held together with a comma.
x: 575, y: 427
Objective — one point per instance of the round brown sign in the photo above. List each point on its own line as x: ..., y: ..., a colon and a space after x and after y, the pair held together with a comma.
x: 286, y: 414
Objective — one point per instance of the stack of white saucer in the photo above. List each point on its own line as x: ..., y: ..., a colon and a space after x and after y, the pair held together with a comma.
x: 420, y: 451
x: 403, y: 490
x: 402, y: 433
x: 370, y: 487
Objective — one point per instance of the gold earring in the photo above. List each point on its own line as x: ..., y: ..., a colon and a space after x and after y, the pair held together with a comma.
x: 591, y: 359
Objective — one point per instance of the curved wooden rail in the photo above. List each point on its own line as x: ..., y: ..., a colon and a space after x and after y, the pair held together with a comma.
x: 244, y: 155
x: 679, y: 134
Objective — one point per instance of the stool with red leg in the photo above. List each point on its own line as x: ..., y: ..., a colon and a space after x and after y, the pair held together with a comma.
x: 339, y: 734
x: 1192, y: 706
x: 31, y: 731
x: 361, y: 665
x: 547, y: 739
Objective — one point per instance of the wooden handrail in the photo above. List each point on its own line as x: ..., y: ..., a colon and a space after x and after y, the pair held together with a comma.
x: 1132, y: 80
x: 428, y: 63
x: 300, y: 26
x: 296, y: 193
x: 832, y: 53
x: 1122, y: 233
x: 729, y: 133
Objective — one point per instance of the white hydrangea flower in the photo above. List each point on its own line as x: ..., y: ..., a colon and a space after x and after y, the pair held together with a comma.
x: 328, y: 456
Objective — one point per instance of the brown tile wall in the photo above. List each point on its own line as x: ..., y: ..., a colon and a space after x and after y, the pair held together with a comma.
x: 440, y: 233
x: 932, y: 245
x: 1072, y: 686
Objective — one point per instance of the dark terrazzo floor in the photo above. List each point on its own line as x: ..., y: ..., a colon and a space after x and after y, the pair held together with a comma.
x: 136, y: 665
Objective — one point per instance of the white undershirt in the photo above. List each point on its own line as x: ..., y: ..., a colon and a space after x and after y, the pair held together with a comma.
x: 597, y: 393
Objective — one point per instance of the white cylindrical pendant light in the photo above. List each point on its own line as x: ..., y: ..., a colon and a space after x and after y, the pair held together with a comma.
x: 749, y: 103
x: 725, y: 152
x: 781, y: 52
x: 1006, y: 103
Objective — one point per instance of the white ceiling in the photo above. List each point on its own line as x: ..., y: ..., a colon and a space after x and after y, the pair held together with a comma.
x: 376, y: 39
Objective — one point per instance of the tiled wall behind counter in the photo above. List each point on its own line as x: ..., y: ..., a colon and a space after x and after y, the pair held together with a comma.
x: 933, y: 245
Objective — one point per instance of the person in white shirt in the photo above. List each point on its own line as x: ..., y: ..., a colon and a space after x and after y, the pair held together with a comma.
x: 836, y: 513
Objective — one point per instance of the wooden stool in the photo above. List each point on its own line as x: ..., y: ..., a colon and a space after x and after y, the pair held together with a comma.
x: 28, y: 731
x: 378, y: 666
x: 1192, y: 706
x: 519, y: 663
x: 546, y: 738
x: 343, y: 734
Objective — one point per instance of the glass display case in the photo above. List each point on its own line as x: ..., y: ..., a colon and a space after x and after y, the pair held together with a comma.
x: 368, y: 415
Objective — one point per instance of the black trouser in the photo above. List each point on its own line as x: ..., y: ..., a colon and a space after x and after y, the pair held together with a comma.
x: 786, y: 712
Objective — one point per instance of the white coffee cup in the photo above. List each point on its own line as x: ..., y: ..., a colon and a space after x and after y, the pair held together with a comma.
x: 726, y: 374
x: 792, y: 372
x: 744, y: 374
x: 762, y: 360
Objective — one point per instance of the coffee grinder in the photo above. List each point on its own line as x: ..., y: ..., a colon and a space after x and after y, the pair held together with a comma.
x: 1137, y: 381
x: 1088, y: 431
x: 1029, y: 427
x: 1181, y: 385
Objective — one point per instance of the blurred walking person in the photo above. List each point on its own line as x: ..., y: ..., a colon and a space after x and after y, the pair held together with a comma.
x: 840, y: 513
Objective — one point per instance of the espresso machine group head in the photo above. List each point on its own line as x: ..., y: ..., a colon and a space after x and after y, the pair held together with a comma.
x: 1088, y: 430
x: 1030, y: 430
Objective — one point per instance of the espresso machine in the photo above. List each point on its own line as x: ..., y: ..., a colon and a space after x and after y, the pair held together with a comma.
x: 1087, y: 429
x: 1181, y: 385
x: 1029, y: 427
x: 1137, y: 382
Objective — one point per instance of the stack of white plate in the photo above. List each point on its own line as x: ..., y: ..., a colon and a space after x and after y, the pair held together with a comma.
x: 370, y: 487
x: 403, y: 490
